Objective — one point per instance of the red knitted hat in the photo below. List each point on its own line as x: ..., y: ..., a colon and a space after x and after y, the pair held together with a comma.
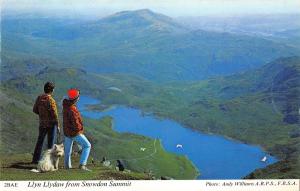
x: 73, y: 94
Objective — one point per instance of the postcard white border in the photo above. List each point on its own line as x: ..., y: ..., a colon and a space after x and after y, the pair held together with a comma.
x: 150, y: 185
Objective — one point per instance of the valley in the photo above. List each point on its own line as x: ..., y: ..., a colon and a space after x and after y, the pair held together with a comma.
x: 241, y: 87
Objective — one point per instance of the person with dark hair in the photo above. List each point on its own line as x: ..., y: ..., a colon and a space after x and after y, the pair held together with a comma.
x: 45, y: 108
x: 49, y: 87
x: 73, y: 130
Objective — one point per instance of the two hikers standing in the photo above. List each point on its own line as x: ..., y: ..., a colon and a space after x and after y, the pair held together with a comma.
x: 45, y: 107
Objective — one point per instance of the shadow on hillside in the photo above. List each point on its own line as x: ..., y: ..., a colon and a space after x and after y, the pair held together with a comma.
x: 22, y: 165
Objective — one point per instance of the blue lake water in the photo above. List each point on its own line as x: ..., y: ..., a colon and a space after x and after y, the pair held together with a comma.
x: 215, y: 156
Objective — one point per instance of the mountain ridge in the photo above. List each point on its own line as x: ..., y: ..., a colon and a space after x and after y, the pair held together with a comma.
x: 129, y: 42
x: 144, y: 19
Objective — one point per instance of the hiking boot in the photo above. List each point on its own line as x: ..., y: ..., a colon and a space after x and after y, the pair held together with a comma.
x: 83, y: 167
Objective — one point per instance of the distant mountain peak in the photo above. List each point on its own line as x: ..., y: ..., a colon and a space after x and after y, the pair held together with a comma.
x: 146, y: 14
x: 144, y: 11
x: 142, y: 18
x: 140, y: 12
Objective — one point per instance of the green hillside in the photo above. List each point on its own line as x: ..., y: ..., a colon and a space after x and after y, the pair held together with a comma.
x: 256, y: 107
x: 19, y: 132
x: 18, y: 166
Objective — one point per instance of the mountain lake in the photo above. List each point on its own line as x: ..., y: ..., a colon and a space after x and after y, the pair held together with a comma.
x: 216, y: 157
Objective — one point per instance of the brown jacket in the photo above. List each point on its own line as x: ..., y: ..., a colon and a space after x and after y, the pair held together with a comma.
x: 45, y: 107
x: 72, y: 119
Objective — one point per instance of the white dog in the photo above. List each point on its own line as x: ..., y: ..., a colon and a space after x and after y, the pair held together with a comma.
x: 50, y: 159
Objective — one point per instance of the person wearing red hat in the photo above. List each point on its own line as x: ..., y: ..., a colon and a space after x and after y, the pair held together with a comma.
x: 73, y: 130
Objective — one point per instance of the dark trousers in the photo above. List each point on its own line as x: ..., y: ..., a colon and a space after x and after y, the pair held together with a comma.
x: 51, y: 133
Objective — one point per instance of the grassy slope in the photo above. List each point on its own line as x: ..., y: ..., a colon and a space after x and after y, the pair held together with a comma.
x: 19, y: 132
x: 127, y: 147
x: 238, y: 106
x: 17, y: 167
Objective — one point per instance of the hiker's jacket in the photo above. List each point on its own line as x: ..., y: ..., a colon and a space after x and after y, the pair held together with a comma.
x: 45, y: 107
x: 72, y: 119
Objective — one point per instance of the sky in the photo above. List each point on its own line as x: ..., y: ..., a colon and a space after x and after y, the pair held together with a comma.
x: 173, y: 8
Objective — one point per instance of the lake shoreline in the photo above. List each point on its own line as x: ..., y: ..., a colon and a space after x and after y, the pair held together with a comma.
x: 162, y: 118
